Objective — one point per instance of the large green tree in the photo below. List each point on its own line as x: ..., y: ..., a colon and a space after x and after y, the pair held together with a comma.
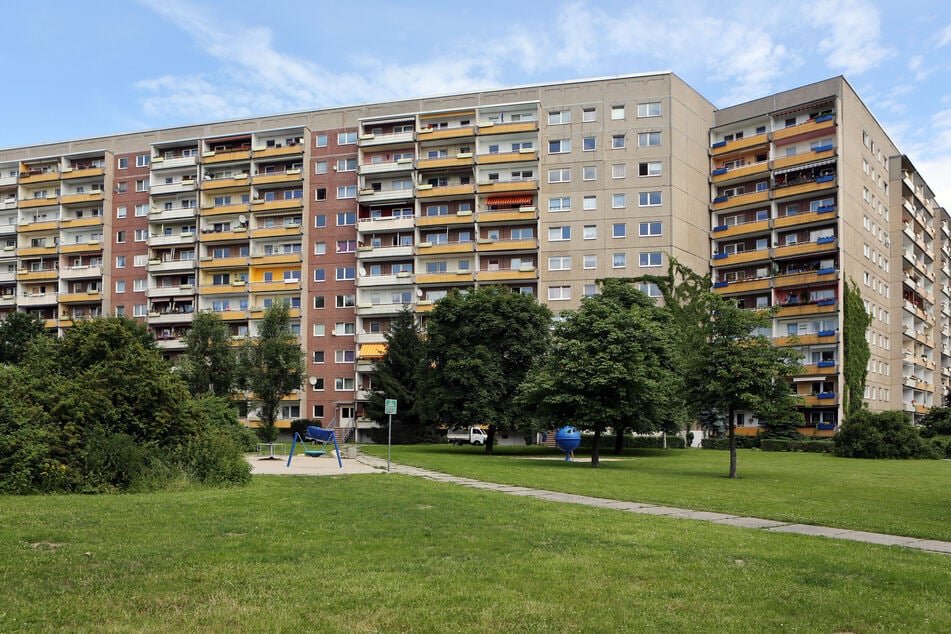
x: 271, y: 366
x: 17, y: 331
x: 395, y: 376
x: 479, y: 345
x: 738, y: 368
x: 608, y: 365
x: 208, y: 364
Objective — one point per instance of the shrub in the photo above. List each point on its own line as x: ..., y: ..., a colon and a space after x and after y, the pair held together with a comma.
x: 633, y: 442
x: 809, y: 446
x: 881, y: 435
x: 213, y: 459
x: 723, y: 442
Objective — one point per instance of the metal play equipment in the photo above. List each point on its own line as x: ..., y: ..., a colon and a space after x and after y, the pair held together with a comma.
x: 567, y: 439
x: 316, y: 433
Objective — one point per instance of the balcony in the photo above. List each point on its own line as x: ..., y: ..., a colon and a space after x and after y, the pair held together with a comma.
x: 460, y: 218
x: 724, y: 175
x: 86, y: 197
x: 802, y: 158
x: 73, y: 223
x: 241, y: 180
x: 730, y: 231
x: 822, y: 399
x: 79, y: 272
x: 507, y: 128
x: 385, y: 224
x: 292, y: 204
x: 24, y: 275
x: 436, y: 134
x: 385, y: 280
x: 426, y: 248
x: 234, y: 315
x: 91, y: 245
x: 32, y: 176
x: 521, y: 214
x: 263, y: 259
x: 173, y: 188
x: 807, y: 128
x: 374, y: 310
x: 79, y: 298
x: 427, y: 191
x: 222, y: 289
x: 823, y: 368
x: 223, y: 156
x: 171, y: 266
x: 742, y: 257
x: 186, y: 290
x: 43, y: 225
x: 373, y: 253
x: 527, y: 273
x: 172, y: 240
x: 809, y: 187
x: 745, y: 286
x: 88, y: 172
x: 821, y: 245
x: 30, y: 251
x: 370, y: 196
x: 738, y: 201
x: 800, y: 310
x: 160, y: 162
x: 220, y: 210
x: 807, y: 277
x: 37, y: 299
x: 279, y: 286
x: 402, y: 165
x: 460, y: 160
x: 371, y: 140
x: 823, y: 215
x: 457, y: 277
x: 160, y: 319
x: 507, y: 157
x: 490, y: 246
x: 239, y: 233
x: 289, y: 176
x: 523, y: 185
x: 283, y: 231
x: 830, y: 336
x: 725, y: 147
x: 276, y: 150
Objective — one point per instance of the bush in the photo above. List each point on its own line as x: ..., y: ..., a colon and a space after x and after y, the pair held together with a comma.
x: 942, y: 444
x: 882, y: 435
x: 213, y: 459
x: 808, y: 446
x: 633, y: 442
x: 723, y: 442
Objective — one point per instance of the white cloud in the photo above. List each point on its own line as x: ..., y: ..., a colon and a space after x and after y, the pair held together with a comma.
x: 855, y: 43
x: 944, y: 36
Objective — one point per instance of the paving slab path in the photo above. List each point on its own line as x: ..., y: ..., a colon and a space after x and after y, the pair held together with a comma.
x: 930, y: 545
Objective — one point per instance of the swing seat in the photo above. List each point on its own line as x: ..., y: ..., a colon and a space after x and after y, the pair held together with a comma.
x: 317, y: 434
x: 314, y: 453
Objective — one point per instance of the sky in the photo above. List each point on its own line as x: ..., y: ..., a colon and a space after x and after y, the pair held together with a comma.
x: 82, y: 69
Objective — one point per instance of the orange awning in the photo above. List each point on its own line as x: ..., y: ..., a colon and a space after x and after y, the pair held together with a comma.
x: 517, y: 199
x: 372, y: 350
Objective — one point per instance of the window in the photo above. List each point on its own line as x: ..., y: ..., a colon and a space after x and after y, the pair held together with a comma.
x: 141, y: 185
x: 589, y: 144
x: 648, y: 139
x: 654, y: 258
x: 559, y: 293
x: 589, y: 290
x: 346, y: 273
x: 320, y: 275
x: 319, y: 330
x: 590, y: 262
x: 123, y: 162
x: 559, y: 146
x: 138, y: 285
x: 120, y: 286
x: 320, y: 193
x: 589, y: 203
x: 618, y: 142
x: 589, y: 173
x: 590, y: 232
x: 141, y: 235
x: 320, y: 221
x: 122, y: 187
x: 320, y: 167
x: 343, y: 384
x: 559, y: 175
x: 141, y: 210
x: 618, y: 201
x: 557, y: 234
x: 139, y: 310
x: 559, y: 263
x: 649, y: 199
x: 559, y: 117
x: 619, y: 230
x: 141, y: 260
x: 120, y: 236
x: 562, y: 203
x: 346, y: 218
x: 652, y: 168
x: 346, y: 165
x: 318, y: 302
x: 343, y: 356
x: 320, y: 248
x: 346, y: 301
x: 589, y: 114
x: 121, y: 212
x: 346, y: 138
x: 142, y: 160
x: 619, y: 261
x: 346, y: 191
x: 619, y: 170
x: 346, y: 246
x: 649, y: 289
x: 650, y: 229
x: 651, y: 109
x: 320, y: 140
x: 120, y: 261
x: 344, y: 328
x: 617, y: 113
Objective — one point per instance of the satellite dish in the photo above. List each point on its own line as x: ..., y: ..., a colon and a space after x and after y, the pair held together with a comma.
x: 313, y: 380
x: 419, y: 292
x: 363, y: 271
x: 243, y: 219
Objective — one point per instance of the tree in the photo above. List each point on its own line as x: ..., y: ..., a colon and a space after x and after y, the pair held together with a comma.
x: 395, y: 376
x: 17, y: 331
x: 608, y: 365
x: 855, y: 348
x: 208, y: 364
x: 737, y: 369
x: 271, y: 366
x: 479, y: 345
x: 881, y: 435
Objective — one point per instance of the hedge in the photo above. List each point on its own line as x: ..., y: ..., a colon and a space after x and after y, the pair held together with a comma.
x: 723, y: 442
x: 634, y: 442
x: 808, y: 446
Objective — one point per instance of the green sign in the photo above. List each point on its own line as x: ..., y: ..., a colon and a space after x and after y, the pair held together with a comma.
x: 389, y: 406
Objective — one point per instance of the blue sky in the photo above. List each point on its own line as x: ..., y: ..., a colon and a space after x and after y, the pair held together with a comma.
x: 78, y: 69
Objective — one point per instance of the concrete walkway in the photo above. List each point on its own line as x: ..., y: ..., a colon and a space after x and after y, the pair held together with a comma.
x: 327, y: 465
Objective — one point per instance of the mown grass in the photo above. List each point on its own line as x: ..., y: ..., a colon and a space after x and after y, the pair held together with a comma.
x: 391, y: 553
x: 899, y: 497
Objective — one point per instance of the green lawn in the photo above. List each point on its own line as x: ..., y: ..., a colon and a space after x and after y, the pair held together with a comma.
x: 900, y: 497
x: 391, y: 553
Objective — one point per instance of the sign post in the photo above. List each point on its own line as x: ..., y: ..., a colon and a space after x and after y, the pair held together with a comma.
x: 389, y: 407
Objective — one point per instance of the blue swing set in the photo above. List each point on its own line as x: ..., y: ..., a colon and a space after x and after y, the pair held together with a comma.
x: 315, y: 433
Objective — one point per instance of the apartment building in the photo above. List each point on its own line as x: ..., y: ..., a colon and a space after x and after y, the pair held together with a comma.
x: 350, y: 214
